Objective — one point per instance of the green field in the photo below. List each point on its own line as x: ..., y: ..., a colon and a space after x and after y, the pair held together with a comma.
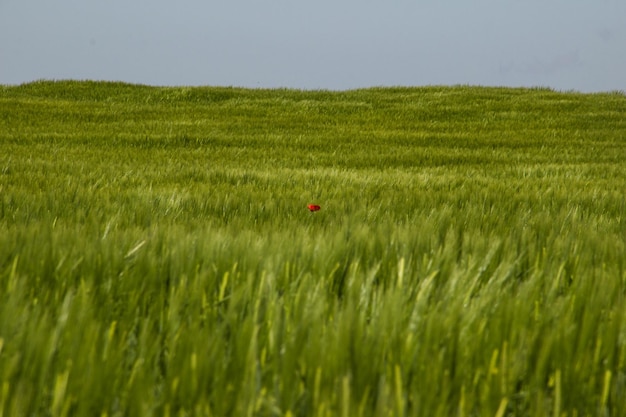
x: 157, y: 257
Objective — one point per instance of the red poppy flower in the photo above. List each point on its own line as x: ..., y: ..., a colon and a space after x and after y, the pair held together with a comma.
x: 313, y: 207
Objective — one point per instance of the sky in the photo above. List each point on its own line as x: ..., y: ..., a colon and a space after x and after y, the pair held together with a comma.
x: 323, y: 44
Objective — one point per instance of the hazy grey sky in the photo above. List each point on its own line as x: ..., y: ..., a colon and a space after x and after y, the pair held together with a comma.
x: 328, y: 44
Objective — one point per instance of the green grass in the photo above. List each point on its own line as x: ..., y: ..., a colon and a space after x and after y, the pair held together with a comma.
x: 157, y: 256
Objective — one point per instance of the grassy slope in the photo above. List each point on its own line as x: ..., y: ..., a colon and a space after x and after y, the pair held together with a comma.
x: 156, y: 254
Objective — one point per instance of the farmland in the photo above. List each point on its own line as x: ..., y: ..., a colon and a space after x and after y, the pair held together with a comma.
x: 157, y: 256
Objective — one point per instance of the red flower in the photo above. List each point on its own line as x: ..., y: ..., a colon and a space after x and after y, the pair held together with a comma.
x: 313, y: 207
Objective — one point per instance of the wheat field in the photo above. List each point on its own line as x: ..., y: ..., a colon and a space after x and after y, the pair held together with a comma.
x: 157, y: 256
